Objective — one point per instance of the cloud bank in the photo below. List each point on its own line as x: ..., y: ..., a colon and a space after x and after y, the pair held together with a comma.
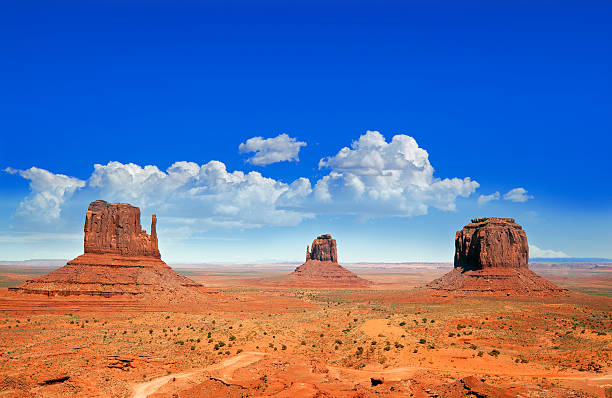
x: 373, y: 178
x: 272, y: 150
x: 535, y: 251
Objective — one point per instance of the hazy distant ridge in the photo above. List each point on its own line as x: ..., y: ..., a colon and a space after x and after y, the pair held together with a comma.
x: 570, y: 260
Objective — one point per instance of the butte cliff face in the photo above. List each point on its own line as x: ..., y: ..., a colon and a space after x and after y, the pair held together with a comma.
x: 115, y: 228
x: 119, y: 258
x: 491, y: 242
x: 492, y: 256
x: 323, y: 249
x: 321, y: 267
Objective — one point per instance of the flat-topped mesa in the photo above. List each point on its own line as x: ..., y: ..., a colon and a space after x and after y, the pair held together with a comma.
x: 491, y: 257
x: 491, y: 242
x: 323, y: 249
x: 114, y: 228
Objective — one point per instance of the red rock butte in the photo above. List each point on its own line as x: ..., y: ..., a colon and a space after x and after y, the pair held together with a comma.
x: 321, y: 267
x: 492, y: 256
x: 119, y: 258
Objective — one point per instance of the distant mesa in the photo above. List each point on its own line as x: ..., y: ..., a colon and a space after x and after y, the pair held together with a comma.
x: 119, y: 258
x: 322, y: 268
x: 492, y: 256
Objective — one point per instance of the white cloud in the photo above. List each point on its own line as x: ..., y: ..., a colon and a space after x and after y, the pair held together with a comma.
x: 535, y: 251
x: 517, y: 195
x: 48, y: 192
x: 208, y: 193
x: 484, y: 199
x: 379, y: 178
x: 373, y: 178
x: 272, y: 150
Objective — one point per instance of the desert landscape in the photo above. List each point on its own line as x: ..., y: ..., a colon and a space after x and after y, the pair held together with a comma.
x: 305, y: 199
x: 124, y: 324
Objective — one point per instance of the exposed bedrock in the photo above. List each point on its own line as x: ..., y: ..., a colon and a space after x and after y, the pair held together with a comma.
x: 115, y: 228
x: 491, y: 242
x: 323, y: 249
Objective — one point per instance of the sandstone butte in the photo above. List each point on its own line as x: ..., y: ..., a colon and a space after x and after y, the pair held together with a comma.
x: 492, y: 256
x: 119, y: 258
x: 321, y: 267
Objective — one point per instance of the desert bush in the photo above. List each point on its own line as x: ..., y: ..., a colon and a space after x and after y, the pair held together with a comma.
x: 494, y: 353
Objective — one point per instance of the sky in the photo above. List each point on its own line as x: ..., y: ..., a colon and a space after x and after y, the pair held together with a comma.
x: 250, y: 128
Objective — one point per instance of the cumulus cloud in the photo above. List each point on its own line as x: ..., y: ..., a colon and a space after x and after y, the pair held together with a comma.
x: 517, y: 195
x: 272, y: 150
x: 484, y: 199
x: 372, y: 178
x: 48, y: 192
x: 535, y: 251
x: 379, y: 178
x: 207, y: 192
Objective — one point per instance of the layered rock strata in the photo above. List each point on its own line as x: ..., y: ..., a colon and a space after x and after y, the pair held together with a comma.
x: 322, y: 268
x: 120, y: 259
x: 491, y: 256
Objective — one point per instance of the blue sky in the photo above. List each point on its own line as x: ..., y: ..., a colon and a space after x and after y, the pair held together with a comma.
x: 510, y: 95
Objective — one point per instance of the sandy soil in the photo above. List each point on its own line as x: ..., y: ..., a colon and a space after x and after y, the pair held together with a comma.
x: 256, y: 340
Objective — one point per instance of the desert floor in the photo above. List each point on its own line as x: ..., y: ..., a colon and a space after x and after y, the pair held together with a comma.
x: 256, y: 338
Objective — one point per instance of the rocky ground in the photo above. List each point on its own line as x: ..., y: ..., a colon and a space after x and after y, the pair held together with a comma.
x: 253, y: 340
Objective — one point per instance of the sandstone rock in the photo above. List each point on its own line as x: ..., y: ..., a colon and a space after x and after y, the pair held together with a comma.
x: 120, y: 259
x: 323, y: 249
x: 115, y: 228
x: 491, y: 256
x: 491, y: 242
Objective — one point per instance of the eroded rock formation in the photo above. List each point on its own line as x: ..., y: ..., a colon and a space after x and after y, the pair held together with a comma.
x: 491, y: 242
x: 115, y: 228
x: 321, y: 267
x: 491, y: 256
x: 323, y: 249
x: 120, y: 259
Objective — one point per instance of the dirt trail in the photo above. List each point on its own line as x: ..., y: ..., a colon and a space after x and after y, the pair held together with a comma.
x: 227, y: 367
